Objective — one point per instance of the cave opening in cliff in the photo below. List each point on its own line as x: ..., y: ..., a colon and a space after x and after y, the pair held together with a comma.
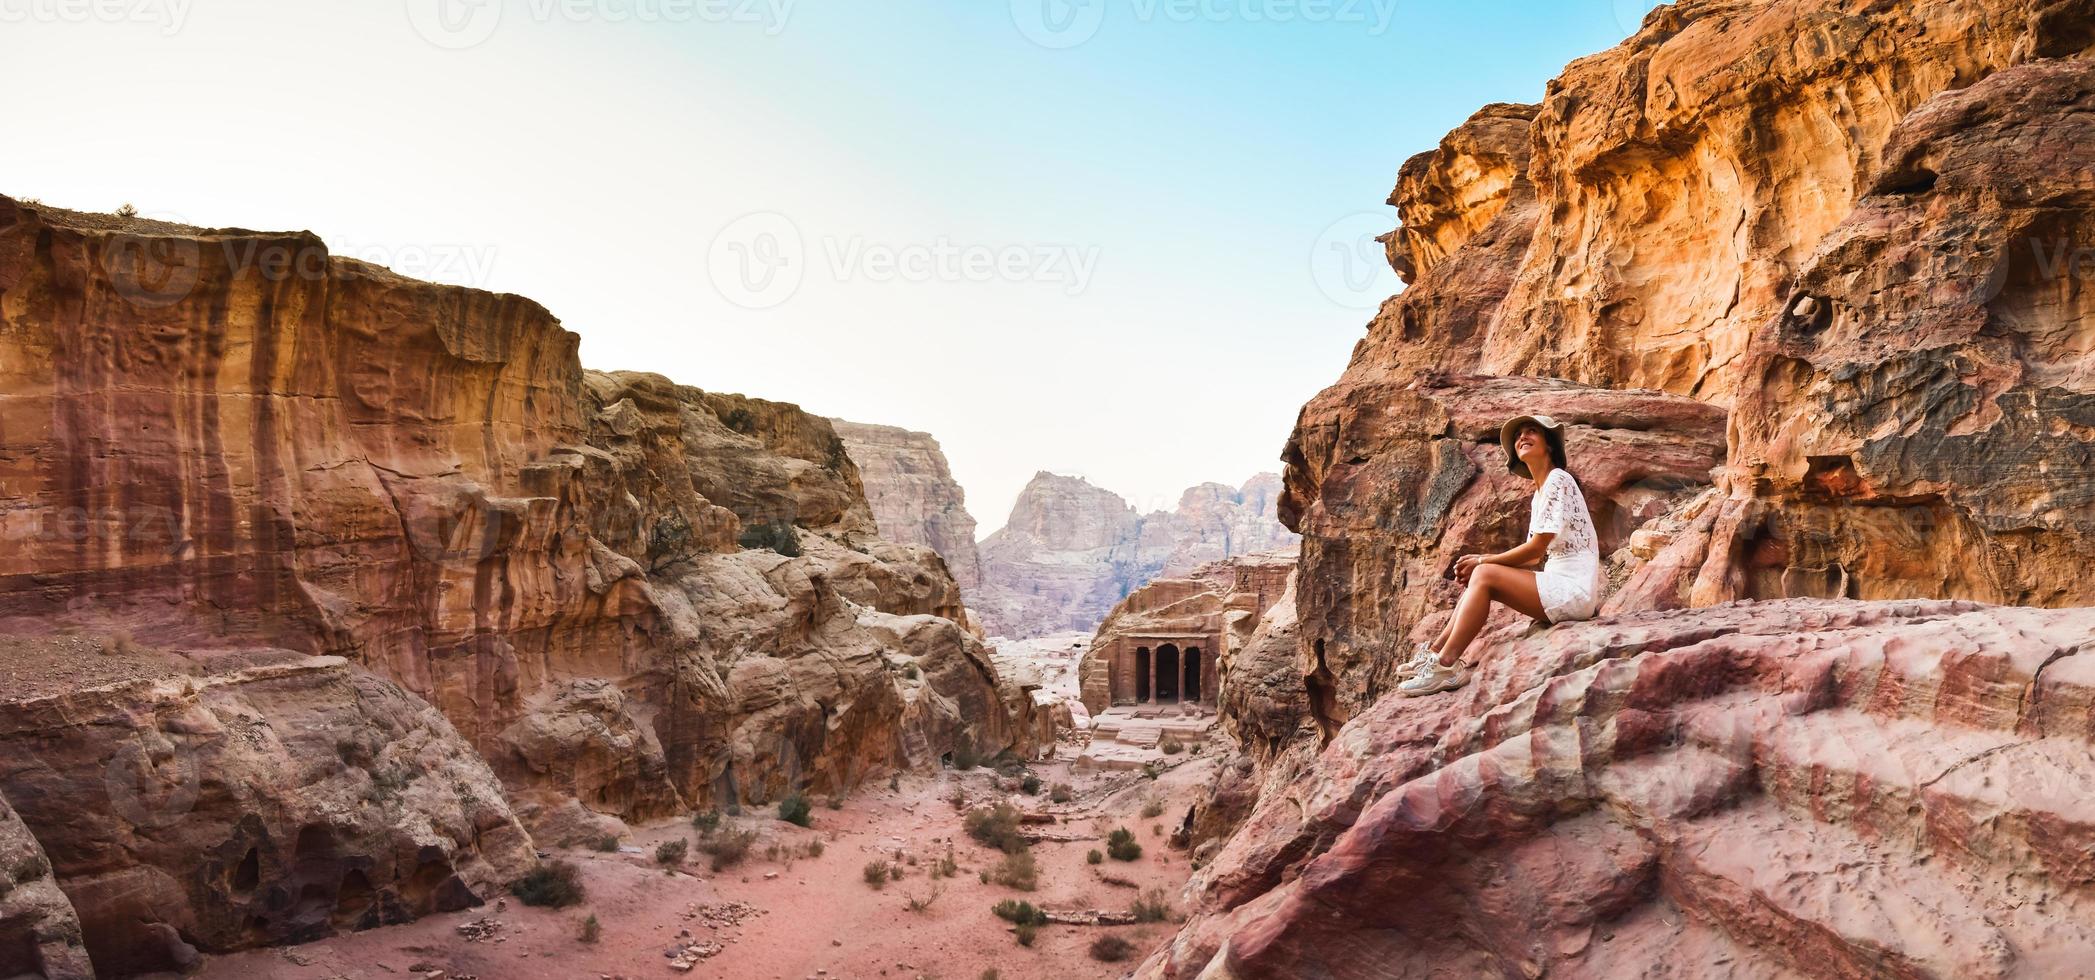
x: 1192, y: 688
x: 1167, y: 674
x: 1141, y: 674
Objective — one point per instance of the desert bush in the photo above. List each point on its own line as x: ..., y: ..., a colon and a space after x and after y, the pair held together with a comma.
x: 607, y: 844
x: 127, y: 210
x: 964, y: 757
x: 1025, y: 933
x: 1030, y: 785
x: 1111, y: 949
x: 1062, y: 793
x: 795, y: 809
x: 1153, y: 808
x: 1153, y: 906
x: 1095, y: 857
x: 1018, y: 912
x: 814, y: 848
x: 706, y: 822
x: 1121, y: 846
x: 556, y: 884
x: 997, y: 827
x: 946, y: 867
x: 919, y: 903
x: 591, y: 930
x: 912, y: 672
x: 1170, y: 745
x: 728, y: 847
x: 671, y: 853
x: 1017, y: 871
x: 875, y: 873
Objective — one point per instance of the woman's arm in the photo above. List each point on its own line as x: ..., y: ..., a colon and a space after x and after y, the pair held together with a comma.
x: 1530, y: 552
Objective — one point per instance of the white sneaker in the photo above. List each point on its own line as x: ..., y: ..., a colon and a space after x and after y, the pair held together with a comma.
x: 1421, y: 659
x: 1435, y: 679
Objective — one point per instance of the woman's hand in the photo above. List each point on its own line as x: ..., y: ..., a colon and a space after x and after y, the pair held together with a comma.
x: 1466, y: 565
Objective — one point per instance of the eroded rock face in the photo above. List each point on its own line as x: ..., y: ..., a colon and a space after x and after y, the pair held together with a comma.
x: 1917, y: 420
x: 1071, y: 550
x: 39, y: 934
x: 1691, y: 793
x: 914, y: 497
x: 640, y: 594
x: 271, y: 798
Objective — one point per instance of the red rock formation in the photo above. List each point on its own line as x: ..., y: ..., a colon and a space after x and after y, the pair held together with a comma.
x: 914, y: 497
x: 1071, y: 550
x: 1801, y: 788
x: 274, y: 798
x: 1830, y: 216
x: 39, y: 934
x: 621, y: 591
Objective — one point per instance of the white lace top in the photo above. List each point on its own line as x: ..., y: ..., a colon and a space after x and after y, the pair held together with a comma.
x: 1569, y: 582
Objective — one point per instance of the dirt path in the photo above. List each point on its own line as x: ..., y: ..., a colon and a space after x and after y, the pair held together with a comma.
x: 815, y: 916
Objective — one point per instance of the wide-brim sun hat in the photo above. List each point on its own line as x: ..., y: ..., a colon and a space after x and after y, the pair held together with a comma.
x: 1552, y: 433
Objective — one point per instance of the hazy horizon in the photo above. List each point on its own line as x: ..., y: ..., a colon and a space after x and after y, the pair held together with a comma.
x: 1118, y: 240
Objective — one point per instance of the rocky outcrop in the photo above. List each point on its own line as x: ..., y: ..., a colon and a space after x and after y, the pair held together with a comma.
x: 256, y: 798
x: 914, y: 497
x: 1071, y: 550
x: 1691, y: 793
x: 1853, y: 226
x: 39, y: 934
x: 630, y: 596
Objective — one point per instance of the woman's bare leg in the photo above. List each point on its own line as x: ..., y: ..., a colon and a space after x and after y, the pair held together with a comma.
x: 1514, y: 587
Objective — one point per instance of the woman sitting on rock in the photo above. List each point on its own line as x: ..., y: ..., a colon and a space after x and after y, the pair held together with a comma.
x: 1560, y: 540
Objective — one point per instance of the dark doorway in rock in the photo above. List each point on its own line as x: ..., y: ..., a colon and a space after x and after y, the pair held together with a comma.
x: 1141, y: 674
x: 1192, y: 687
x: 1167, y: 674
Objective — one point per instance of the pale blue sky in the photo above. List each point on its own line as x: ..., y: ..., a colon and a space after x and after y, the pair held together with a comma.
x: 1130, y: 252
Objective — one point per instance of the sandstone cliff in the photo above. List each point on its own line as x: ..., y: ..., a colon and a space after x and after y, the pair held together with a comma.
x: 631, y: 597
x: 914, y: 497
x: 1801, y: 276
x: 1070, y: 550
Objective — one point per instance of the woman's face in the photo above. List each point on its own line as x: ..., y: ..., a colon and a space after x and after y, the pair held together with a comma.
x: 1530, y: 446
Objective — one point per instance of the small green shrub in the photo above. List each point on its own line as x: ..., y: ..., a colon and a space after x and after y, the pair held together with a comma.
x: 671, y: 853
x: 1025, y: 932
x: 1153, y: 808
x: 556, y: 885
x: 1121, y: 846
x: 912, y: 672
x: 592, y: 931
x: 1017, y: 871
x: 1151, y: 907
x: 1170, y: 745
x: 964, y: 757
x: 876, y: 874
x: 1095, y: 857
x: 1030, y: 785
x: 1062, y: 793
x: 607, y: 844
x: 1111, y: 949
x: 728, y: 847
x: 795, y: 809
x: 814, y: 848
x: 997, y: 827
x: 1018, y: 912
x: 706, y: 822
